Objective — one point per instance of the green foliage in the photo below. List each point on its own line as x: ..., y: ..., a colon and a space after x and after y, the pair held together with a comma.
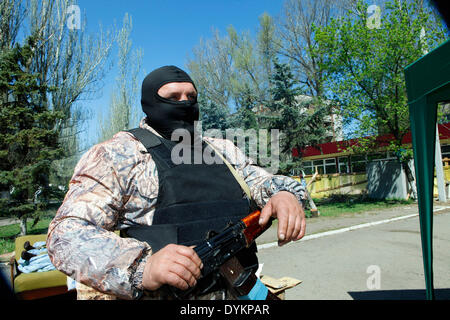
x: 28, y: 138
x: 9, y: 233
x: 365, y: 66
x: 342, y: 204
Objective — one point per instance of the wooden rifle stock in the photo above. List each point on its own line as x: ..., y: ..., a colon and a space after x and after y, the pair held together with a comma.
x: 239, y: 280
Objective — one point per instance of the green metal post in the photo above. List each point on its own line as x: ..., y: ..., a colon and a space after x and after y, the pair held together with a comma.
x: 424, y: 139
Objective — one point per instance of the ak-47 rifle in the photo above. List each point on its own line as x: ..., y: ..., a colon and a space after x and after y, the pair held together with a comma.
x: 218, y: 254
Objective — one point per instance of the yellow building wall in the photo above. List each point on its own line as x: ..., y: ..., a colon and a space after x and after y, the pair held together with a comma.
x: 447, y: 178
x: 355, y: 183
x: 327, y: 184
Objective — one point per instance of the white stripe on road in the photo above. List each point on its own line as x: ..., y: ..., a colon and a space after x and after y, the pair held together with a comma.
x: 337, y: 231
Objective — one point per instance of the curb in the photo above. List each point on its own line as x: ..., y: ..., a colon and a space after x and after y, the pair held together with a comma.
x: 346, y: 229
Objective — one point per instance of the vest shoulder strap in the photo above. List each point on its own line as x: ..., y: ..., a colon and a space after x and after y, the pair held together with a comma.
x: 238, y: 178
x: 147, y: 138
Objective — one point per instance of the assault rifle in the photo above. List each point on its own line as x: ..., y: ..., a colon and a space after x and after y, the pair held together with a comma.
x: 218, y: 255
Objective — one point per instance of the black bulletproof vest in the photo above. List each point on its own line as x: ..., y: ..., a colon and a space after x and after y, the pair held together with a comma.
x: 193, y: 199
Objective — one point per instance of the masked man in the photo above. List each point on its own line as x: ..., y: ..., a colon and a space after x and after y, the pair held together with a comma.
x: 162, y: 207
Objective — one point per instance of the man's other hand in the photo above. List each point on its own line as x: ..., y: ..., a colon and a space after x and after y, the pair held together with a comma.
x: 291, y: 218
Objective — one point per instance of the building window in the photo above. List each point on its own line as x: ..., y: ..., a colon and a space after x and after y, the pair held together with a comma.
x: 445, y: 152
x: 390, y: 156
x: 330, y: 166
x: 324, y: 166
x: 307, y: 167
x: 319, y: 165
x: 343, y: 165
x: 377, y: 156
x: 359, y: 163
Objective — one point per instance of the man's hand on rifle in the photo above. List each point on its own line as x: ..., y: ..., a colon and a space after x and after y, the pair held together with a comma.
x: 175, y: 265
x: 291, y: 218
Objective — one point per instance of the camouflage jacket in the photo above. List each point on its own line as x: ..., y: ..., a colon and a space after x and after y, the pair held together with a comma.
x: 114, y: 185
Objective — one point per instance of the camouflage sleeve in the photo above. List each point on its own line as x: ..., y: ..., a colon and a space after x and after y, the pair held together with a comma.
x: 81, y: 242
x: 263, y: 185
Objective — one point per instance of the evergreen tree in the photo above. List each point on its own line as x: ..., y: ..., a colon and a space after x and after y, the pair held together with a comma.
x: 301, y: 122
x: 212, y: 115
x: 245, y: 117
x: 28, y: 138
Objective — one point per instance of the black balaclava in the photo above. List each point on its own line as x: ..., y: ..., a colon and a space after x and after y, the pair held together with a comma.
x: 165, y: 115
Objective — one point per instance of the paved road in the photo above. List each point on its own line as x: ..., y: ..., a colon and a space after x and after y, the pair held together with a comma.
x: 382, y: 261
x: 7, y: 221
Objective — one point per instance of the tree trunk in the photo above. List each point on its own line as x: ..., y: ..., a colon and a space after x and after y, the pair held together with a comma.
x: 23, y: 226
x: 440, y: 175
x: 314, y: 212
x: 410, y: 179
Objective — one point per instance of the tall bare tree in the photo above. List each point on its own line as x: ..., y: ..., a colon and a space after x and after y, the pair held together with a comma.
x: 123, y: 112
x: 295, y: 39
x: 252, y: 63
x: 73, y: 62
x: 210, y: 67
x: 233, y: 71
x: 65, y: 57
x: 266, y: 43
x: 12, y: 14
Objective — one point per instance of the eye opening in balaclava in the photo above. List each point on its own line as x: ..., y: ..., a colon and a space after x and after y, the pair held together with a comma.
x: 165, y: 115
